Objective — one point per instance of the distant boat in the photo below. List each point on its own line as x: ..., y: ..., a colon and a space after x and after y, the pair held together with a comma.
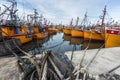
x: 10, y: 28
x: 76, y: 32
x: 39, y: 30
x: 68, y: 29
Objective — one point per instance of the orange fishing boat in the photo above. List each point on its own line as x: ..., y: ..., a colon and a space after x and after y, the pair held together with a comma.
x: 112, y: 38
x: 77, y: 33
x: 52, y: 30
x: 39, y: 34
x: 97, y: 33
x: 25, y: 36
x: 7, y: 31
x: 78, y: 30
x: 67, y: 31
x: 38, y: 30
x: 10, y: 27
x: 93, y: 35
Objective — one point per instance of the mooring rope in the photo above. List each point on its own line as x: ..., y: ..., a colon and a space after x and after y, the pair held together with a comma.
x: 84, y: 53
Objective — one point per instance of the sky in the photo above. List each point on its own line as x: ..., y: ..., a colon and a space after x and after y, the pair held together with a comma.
x: 62, y: 11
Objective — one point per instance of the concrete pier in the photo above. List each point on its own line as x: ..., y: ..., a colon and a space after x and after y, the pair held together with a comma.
x: 107, y: 59
x: 9, y: 69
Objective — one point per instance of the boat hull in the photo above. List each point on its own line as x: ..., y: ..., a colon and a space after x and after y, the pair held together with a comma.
x: 36, y: 29
x: 6, y: 31
x: 67, y: 31
x: 24, y: 38
x: 41, y: 35
x: 112, y: 40
x: 77, y: 33
x: 53, y: 29
x: 93, y: 36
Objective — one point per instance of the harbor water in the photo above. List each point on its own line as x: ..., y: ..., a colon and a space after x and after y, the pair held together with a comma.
x: 60, y: 43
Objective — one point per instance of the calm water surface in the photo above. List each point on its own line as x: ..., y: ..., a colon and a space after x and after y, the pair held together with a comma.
x: 60, y: 43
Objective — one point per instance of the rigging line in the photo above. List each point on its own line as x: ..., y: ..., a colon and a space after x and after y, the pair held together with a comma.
x: 97, y: 52
x: 84, y: 53
x: 114, y: 69
x: 74, y: 47
x: 17, y: 57
x: 38, y: 45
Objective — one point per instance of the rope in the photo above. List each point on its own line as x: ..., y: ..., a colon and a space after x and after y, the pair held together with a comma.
x: 74, y: 48
x: 84, y: 53
x: 97, y: 52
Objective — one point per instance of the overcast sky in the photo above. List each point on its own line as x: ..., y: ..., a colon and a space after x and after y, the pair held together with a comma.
x: 58, y: 11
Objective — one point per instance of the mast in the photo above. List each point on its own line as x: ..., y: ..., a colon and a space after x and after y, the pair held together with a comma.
x: 12, y: 12
x: 35, y: 16
x: 104, y: 13
x: 102, y: 24
x: 77, y: 21
x: 71, y: 23
x: 84, y: 21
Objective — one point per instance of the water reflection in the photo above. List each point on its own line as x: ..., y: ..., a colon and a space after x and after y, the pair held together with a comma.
x: 92, y: 44
x: 66, y: 37
x: 59, y: 43
x: 76, y: 41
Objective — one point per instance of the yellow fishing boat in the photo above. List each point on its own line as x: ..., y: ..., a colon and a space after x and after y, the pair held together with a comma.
x: 67, y: 31
x: 10, y: 32
x: 53, y: 29
x: 93, y: 35
x: 96, y: 33
x: 77, y: 33
x: 40, y: 35
x: 24, y: 38
x: 36, y: 29
x: 7, y: 31
x: 112, y: 38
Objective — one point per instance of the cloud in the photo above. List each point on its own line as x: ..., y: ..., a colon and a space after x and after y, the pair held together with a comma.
x: 63, y: 10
